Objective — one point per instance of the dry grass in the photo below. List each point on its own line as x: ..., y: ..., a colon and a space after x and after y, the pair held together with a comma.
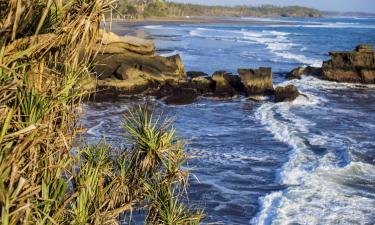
x: 45, y: 50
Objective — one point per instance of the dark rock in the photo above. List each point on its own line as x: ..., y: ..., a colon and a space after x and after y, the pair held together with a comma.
x: 258, y: 81
x: 354, y: 67
x: 299, y: 71
x: 194, y: 74
x: 203, y: 85
x: 287, y: 93
x: 181, y: 97
x: 296, y: 73
x: 224, y: 84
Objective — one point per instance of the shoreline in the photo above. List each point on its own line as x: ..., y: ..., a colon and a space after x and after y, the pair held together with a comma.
x: 133, y: 27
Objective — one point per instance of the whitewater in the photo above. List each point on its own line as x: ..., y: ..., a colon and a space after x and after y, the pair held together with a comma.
x: 310, y: 161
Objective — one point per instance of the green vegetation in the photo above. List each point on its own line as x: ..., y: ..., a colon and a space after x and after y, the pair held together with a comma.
x: 45, y: 51
x: 159, y: 8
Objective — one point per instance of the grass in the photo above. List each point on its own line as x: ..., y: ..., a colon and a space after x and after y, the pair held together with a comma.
x: 46, y: 48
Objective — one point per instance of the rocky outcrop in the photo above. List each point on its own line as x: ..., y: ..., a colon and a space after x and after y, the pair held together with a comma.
x: 128, y: 66
x: 258, y: 81
x: 110, y: 43
x: 355, y: 67
x: 287, y: 93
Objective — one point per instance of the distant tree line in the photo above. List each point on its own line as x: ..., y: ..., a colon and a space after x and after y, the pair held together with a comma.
x: 133, y: 9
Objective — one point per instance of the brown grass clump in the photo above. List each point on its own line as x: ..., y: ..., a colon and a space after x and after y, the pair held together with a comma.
x: 45, y: 50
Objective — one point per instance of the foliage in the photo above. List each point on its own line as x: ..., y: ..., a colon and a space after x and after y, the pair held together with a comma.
x: 45, y: 50
x: 158, y: 8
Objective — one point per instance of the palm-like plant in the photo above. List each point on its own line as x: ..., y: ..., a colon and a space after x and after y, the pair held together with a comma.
x: 45, y: 50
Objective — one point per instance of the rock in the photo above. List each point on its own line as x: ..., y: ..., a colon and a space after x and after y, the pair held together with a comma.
x: 177, y: 62
x: 364, y: 48
x: 296, y: 73
x: 203, y: 85
x: 287, y: 93
x: 299, y: 71
x: 194, y: 74
x: 224, y: 84
x: 313, y: 71
x: 181, y: 97
x: 157, y: 67
x: 110, y: 43
x: 354, y: 67
x: 257, y: 81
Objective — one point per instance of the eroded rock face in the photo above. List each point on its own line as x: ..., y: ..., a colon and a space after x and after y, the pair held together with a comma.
x: 133, y: 68
x: 111, y: 43
x: 355, y: 67
x: 287, y: 93
x: 258, y: 81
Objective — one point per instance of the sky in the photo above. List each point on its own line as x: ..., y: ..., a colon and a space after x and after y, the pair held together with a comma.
x: 327, y: 5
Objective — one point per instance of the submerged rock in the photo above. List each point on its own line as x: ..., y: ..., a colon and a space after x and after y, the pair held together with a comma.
x: 287, y: 93
x: 355, y: 67
x: 258, y: 81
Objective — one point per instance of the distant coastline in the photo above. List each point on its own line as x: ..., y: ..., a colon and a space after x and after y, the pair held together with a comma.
x: 135, y: 9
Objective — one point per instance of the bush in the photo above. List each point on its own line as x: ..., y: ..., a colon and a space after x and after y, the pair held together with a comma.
x: 45, y: 51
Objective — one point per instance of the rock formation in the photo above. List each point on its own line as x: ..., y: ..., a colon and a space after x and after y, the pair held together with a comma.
x: 257, y: 81
x: 287, y: 93
x: 129, y: 66
x: 355, y: 67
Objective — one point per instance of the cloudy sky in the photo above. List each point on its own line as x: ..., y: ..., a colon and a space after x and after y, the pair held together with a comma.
x: 330, y: 5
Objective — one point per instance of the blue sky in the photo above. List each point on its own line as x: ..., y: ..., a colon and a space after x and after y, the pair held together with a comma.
x: 331, y: 5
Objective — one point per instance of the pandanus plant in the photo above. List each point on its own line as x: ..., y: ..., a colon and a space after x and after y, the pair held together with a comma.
x: 46, y: 47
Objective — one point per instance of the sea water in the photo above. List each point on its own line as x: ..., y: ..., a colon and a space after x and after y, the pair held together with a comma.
x: 310, y: 161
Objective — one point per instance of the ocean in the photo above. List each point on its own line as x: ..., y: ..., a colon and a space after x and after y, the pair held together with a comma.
x: 310, y: 161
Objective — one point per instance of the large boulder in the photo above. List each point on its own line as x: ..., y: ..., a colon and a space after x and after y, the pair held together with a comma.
x: 287, y: 93
x: 258, y: 81
x: 356, y: 67
x: 129, y: 66
x: 226, y: 85
x: 110, y: 43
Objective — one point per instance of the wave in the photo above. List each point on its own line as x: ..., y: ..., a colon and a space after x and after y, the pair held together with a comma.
x: 153, y: 27
x: 321, y: 188
x: 276, y: 42
x: 327, y: 25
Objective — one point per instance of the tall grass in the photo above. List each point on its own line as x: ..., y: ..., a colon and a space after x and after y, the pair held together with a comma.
x: 45, y: 50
